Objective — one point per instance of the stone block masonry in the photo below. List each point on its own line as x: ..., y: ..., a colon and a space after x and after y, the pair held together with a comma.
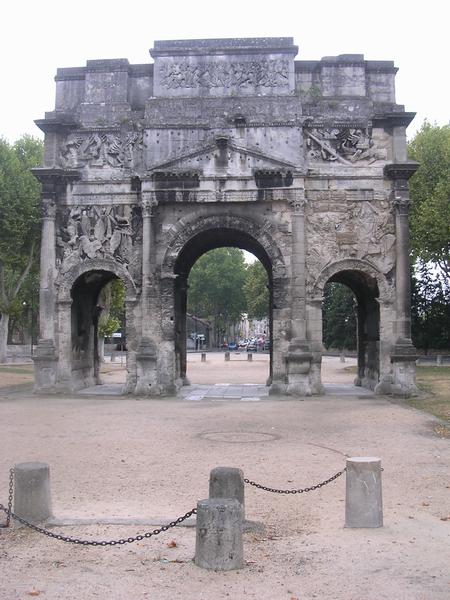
x: 219, y: 142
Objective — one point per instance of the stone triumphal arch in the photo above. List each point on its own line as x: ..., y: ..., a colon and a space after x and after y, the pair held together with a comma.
x: 225, y: 142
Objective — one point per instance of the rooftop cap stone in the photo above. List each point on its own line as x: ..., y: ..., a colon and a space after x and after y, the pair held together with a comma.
x: 224, y: 45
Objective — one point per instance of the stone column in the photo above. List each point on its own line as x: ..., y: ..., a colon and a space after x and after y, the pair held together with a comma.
x: 404, y: 354
x: 32, y: 496
x: 218, y: 544
x: 314, y: 335
x: 299, y: 356
x: 64, y: 343
x: 363, y: 497
x: 54, y: 186
x: 146, y: 383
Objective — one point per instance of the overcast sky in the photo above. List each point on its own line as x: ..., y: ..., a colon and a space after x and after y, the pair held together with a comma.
x: 39, y: 36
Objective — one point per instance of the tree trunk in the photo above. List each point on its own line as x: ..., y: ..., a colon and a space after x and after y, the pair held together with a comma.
x: 4, y: 320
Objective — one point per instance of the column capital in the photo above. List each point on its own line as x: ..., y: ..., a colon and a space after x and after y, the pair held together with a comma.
x: 55, y: 176
x: 401, y: 203
x: 298, y: 201
x: 148, y: 202
x: 401, y: 171
x: 48, y: 207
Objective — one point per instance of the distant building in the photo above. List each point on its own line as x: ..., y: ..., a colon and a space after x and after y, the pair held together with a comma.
x: 197, y: 333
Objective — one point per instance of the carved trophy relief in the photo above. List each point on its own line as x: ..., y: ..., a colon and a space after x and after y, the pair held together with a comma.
x: 365, y: 231
x: 266, y: 73
x: 345, y: 145
x: 98, y: 149
x: 90, y: 232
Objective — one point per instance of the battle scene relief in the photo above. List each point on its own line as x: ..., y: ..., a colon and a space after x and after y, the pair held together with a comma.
x: 339, y: 226
x: 100, y: 148
x: 105, y: 232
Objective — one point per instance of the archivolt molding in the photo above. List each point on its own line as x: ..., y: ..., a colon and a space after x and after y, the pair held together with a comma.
x: 186, y: 229
x: 353, y: 264
x: 64, y: 283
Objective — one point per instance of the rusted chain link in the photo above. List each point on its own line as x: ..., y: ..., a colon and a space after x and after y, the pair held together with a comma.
x: 297, y: 491
x: 10, y: 499
x: 72, y: 540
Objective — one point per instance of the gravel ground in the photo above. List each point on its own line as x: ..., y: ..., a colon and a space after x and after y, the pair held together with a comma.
x: 124, y: 457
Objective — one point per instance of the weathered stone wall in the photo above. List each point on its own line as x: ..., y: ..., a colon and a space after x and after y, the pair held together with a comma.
x: 225, y: 142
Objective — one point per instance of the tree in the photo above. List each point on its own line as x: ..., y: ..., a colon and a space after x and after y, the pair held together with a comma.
x: 339, y: 317
x: 430, y: 310
x: 256, y: 291
x: 19, y: 224
x: 430, y: 193
x: 216, y: 284
x: 112, y: 317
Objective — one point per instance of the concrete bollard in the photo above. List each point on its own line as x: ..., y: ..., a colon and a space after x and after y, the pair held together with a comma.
x: 32, y: 498
x: 227, y: 482
x: 342, y: 357
x: 250, y: 357
x: 363, y: 501
x: 203, y: 356
x: 227, y: 356
x: 439, y: 360
x: 218, y: 543
x: 113, y: 356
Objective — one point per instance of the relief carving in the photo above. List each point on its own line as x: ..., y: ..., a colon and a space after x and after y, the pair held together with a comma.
x: 100, y: 149
x: 262, y: 73
x: 342, y: 144
x: 91, y: 232
x: 365, y: 232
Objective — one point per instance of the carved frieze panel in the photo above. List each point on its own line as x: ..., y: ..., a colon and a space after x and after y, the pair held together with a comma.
x: 100, y: 149
x: 93, y: 232
x: 350, y: 229
x: 345, y: 145
x: 221, y: 74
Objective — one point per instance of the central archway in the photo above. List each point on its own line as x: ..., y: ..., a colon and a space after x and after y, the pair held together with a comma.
x: 190, y: 240
x: 192, y: 251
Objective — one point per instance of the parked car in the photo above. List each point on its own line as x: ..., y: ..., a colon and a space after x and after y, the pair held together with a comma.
x: 252, y: 346
x: 232, y: 346
x: 267, y: 345
x: 243, y: 344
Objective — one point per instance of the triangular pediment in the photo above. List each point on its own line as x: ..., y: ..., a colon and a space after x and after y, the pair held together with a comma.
x: 223, y: 155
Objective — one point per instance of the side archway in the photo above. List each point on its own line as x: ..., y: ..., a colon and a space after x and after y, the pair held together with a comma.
x: 78, y: 313
x: 371, y: 290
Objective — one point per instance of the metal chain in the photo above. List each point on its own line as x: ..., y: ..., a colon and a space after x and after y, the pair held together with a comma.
x: 72, y: 540
x: 299, y: 491
x: 10, y: 499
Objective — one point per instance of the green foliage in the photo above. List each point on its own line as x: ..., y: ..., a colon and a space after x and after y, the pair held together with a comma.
x: 339, y: 317
x: 256, y: 291
x: 430, y: 193
x: 112, y: 298
x: 19, y: 200
x: 216, y: 283
x: 108, y: 326
x: 430, y: 310
x: 19, y: 216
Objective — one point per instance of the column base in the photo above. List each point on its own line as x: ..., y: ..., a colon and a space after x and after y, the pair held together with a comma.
x: 403, y: 359
x: 298, y: 367
x: 45, y: 366
x: 146, y: 372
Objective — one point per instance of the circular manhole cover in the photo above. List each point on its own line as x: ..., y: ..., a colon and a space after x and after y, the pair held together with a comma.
x: 239, y: 437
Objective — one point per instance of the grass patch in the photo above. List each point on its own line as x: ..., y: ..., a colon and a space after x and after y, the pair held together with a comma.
x: 17, y: 370
x: 435, y: 381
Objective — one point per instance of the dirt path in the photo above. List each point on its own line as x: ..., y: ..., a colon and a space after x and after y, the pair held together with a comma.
x: 126, y: 457
x: 239, y: 370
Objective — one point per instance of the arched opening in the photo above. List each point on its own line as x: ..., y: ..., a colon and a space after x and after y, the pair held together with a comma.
x: 93, y: 296
x: 196, y: 247
x: 356, y: 299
